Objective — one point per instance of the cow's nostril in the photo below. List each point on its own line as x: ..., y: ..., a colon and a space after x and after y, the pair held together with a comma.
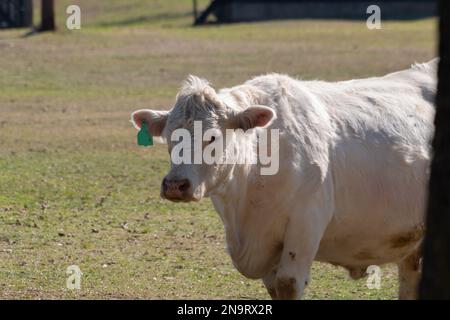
x: 184, y: 185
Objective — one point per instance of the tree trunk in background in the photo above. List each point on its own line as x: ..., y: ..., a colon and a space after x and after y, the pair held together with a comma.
x: 47, y: 15
x: 435, y: 283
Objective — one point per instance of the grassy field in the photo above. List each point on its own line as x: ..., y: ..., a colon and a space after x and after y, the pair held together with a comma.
x: 76, y: 189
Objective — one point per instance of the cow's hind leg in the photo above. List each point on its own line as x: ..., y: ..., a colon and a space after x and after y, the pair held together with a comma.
x: 409, y: 276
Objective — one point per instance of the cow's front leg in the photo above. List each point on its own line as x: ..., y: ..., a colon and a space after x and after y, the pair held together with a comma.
x: 302, y: 238
x: 293, y: 273
x: 269, y: 283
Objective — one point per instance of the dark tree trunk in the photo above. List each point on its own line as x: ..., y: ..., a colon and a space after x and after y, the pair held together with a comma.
x: 47, y: 15
x: 435, y: 283
x: 194, y: 5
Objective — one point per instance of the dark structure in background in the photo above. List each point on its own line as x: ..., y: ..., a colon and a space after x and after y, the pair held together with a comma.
x: 16, y: 13
x: 435, y: 282
x: 19, y: 14
x: 253, y: 10
x: 47, y: 15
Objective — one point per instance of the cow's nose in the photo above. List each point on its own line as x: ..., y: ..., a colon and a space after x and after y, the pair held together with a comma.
x: 176, y: 189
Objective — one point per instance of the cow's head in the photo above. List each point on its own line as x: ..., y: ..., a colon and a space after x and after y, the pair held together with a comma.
x: 198, y: 101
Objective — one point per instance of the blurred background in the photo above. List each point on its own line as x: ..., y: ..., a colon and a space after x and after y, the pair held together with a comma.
x: 75, y: 189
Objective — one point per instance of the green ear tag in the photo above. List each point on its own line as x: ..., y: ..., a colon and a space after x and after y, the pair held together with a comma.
x: 144, y: 138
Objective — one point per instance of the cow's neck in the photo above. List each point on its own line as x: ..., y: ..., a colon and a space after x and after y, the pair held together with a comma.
x: 231, y: 202
x: 248, y: 219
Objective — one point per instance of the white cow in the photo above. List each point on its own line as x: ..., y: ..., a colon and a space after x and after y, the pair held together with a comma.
x: 352, y: 182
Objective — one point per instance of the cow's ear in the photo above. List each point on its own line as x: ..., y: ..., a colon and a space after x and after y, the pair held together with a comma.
x: 255, y: 116
x: 156, y: 120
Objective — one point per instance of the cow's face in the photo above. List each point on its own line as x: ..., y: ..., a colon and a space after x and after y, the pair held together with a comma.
x: 197, y: 103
